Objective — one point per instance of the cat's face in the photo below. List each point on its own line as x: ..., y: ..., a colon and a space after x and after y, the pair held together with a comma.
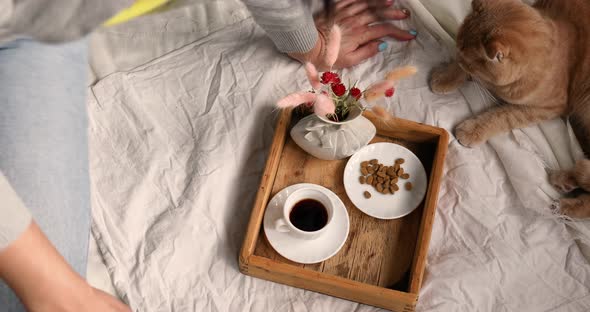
x: 497, y: 40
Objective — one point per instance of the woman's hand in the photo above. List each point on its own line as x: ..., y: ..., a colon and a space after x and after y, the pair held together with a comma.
x: 359, y: 21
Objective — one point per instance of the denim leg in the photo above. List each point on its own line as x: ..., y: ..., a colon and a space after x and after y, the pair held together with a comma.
x: 44, y: 143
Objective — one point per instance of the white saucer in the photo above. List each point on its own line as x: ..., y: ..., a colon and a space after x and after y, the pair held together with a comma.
x: 379, y: 205
x: 300, y: 250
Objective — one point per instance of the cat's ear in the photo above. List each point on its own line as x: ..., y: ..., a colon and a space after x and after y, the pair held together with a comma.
x: 495, y: 51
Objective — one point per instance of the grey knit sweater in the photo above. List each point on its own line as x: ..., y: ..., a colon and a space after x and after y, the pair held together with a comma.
x: 288, y: 23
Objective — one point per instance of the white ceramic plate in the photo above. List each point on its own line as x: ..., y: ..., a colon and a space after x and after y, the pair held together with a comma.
x: 379, y: 205
x: 300, y: 250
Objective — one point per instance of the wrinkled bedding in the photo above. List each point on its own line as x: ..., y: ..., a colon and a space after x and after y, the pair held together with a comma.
x: 178, y: 146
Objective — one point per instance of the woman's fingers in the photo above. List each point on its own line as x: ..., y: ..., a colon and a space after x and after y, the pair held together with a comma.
x: 369, y: 17
x: 400, y: 34
x: 344, y: 3
x: 363, y: 53
x: 362, y: 23
x: 380, y: 4
x: 351, y: 11
x: 394, y: 14
x: 363, y: 19
x: 378, y: 31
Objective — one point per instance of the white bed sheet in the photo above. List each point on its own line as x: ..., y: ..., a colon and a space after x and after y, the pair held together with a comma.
x: 178, y: 146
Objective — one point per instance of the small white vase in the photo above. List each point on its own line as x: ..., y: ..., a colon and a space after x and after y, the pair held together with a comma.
x: 330, y: 140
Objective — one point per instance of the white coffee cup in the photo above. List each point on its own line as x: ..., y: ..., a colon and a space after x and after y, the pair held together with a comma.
x: 285, y: 225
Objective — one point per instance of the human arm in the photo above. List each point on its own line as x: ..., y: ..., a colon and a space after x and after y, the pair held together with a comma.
x: 289, y: 23
x: 43, y: 280
x: 291, y: 26
x: 34, y: 269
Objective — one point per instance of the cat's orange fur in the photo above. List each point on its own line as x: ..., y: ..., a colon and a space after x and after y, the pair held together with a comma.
x: 536, y: 62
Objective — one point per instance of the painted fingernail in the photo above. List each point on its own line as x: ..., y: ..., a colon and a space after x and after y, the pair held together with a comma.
x: 406, y: 12
x: 413, y: 33
x: 382, y: 46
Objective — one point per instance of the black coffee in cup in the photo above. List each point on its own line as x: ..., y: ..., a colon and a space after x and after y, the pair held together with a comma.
x: 309, y: 215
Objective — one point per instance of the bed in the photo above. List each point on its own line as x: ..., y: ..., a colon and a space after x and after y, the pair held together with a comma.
x: 181, y: 118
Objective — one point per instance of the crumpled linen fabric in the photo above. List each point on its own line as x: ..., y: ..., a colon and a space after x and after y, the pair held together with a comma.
x: 178, y: 146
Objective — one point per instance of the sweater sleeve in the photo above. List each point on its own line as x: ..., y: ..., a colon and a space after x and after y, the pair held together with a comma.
x: 55, y: 20
x: 289, y: 23
x: 14, y: 216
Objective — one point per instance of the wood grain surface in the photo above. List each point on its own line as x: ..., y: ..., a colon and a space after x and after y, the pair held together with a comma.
x: 377, y: 252
x: 382, y: 262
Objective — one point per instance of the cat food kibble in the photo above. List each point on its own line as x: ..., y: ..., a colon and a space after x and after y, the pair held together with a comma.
x: 383, y: 178
x: 379, y: 187
x: 390, y: 172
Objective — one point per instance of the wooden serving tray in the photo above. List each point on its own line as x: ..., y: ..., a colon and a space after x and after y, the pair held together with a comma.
x: 382, y: 262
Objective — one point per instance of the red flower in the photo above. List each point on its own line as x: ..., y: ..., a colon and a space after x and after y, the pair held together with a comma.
x: 355, y: 93
x: 338, y: 89
x: 389, y: 92
x: 336, y: 80
x: 329, y: 77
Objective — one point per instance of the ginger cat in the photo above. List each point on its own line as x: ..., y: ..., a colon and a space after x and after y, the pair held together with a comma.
x: 536, y: 61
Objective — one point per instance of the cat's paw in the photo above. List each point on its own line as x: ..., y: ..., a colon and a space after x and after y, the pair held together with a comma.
x: 470, y: 134
x: 582, y: 174
x: 563, y: 181
x: 444, y: 79
x: 577, y: 208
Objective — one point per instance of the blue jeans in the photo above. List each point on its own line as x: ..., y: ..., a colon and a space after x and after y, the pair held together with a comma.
x: 44, y: 143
